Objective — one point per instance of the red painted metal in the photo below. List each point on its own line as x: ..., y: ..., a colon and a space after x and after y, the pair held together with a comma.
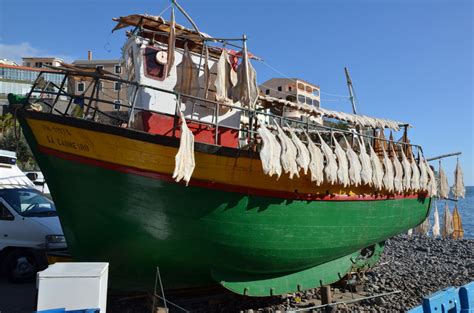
x: 162, y: 124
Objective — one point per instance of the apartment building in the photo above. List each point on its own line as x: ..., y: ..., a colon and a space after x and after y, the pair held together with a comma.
x: 294, y: 90
x: 114, y: 92
x: 40, y: 62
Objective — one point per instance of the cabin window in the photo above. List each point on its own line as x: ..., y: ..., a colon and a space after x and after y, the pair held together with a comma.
x: 316, y: 92
x: 81, y: 87
x: 267, y: 92
x: 309, y: 89
x: 279, y: 88
x: 309, y: 101
x: 301, y: 86
x: 38, y: 64
x: 301, y: 99
x: 118, y: 69
x: 316, y: 103
x: 153, y: 69
x: 117, y: 105
x: 99, y: 67
x: 117, y: 86
x: 289, y: 88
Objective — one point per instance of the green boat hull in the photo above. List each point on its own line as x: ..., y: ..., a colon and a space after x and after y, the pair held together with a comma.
x: 198, y: 236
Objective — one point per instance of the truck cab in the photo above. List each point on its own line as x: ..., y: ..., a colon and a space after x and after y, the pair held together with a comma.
x: 29, y: 225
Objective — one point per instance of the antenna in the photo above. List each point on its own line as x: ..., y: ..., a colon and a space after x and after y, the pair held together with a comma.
x: 351, y: 90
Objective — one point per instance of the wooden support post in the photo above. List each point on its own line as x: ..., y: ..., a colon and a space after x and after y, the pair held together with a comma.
x: 326, y: 297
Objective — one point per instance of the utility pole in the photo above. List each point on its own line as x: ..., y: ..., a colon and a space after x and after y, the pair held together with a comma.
x: 351, y: 90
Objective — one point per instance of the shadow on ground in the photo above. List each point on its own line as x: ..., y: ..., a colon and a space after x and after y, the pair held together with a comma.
x: 17, y: 298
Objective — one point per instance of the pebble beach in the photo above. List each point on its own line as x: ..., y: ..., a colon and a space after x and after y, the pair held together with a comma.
x: 417, y: 266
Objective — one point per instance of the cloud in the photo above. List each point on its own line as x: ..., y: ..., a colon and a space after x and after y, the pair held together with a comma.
x: 15, y: 52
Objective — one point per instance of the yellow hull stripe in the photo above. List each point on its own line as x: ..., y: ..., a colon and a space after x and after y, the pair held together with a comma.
x: 239, y: 171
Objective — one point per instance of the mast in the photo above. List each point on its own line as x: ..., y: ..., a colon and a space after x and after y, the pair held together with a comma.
x: 245, y: 59
x: 351, y: 90
x: 180, y: 8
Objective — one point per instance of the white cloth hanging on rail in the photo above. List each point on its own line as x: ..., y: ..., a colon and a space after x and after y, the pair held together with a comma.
x: 398, y: 179
x: 270, y: 152
x: 275, y: 160
x: 342, y: 163
x: 303, y: 157
x: 443, y: 183
x: 448, y: 227
x: 288, y: 154
x: 406, y: 171
x: 424, y: 227
x: 266, y: 151
x: 388, y: 172
x: 316, y: 166
x: 458, y: 189
x: 207, y: 73
x: 355, y: 166
x: 415, y: 178
x: 366, y: 170
x: 436, y: 228
x: 184, y: 159
x: 224, y: 81
x: 330, y: 170
x: 432, y: 184
x: 246, y: 89
x: 423, y: 172
x: 187, y: 82
x: 377, y: 169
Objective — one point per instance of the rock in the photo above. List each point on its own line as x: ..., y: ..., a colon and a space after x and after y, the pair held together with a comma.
x: 379, y: 301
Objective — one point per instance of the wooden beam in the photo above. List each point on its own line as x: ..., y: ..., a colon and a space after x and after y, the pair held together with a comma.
x: 444, y: 156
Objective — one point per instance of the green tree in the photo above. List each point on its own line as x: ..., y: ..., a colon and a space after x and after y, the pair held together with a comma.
x: 9, y: 141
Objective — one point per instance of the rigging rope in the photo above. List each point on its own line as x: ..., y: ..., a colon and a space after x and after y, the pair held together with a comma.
x: 293, y: 80
x: 166, y: 9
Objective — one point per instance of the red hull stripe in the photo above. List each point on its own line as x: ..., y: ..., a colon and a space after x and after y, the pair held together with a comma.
x: 220, y: 186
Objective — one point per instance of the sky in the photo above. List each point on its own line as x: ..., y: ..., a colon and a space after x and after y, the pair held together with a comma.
x: 410, y: 60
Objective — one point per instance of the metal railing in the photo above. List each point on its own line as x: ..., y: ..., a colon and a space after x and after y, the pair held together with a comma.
x: 248, y: 131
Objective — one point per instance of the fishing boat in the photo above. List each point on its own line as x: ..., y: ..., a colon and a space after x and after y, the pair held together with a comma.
x: 134, y: 189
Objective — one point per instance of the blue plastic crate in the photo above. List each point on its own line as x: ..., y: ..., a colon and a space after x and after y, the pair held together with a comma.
x: 466, y: 296
x: 449, y: 300
x: 446, y: 300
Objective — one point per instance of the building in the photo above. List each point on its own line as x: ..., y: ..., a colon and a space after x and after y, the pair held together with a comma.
x: 294, y: 89
x: 40, y: 62
x: 8, y: 62
x: 111, y: 91
x: 19, y: 80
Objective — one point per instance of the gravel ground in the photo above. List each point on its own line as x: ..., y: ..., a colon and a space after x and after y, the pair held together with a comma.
x: 417, y: 266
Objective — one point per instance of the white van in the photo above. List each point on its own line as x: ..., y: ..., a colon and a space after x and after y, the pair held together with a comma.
x: 29, y: 225
x: 38, y: 180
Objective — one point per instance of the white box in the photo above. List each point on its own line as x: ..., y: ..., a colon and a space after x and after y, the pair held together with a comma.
x: 73, y: 286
